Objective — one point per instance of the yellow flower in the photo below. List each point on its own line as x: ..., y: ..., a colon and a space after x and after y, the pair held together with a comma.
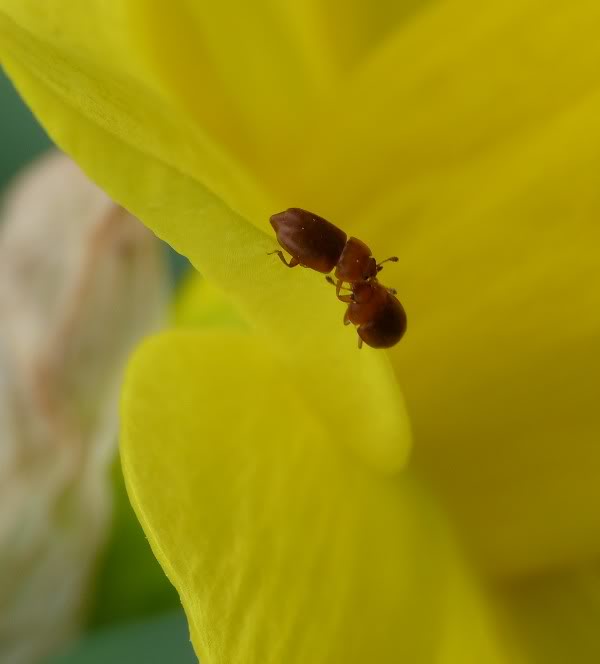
x: 266, y: 463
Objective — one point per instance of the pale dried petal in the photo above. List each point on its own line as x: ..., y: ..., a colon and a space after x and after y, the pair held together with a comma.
x: 80, y: 281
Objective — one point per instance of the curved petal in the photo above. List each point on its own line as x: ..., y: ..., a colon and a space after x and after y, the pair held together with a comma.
x: 199, y: 303
x: 449, y: 90
x: 476, y: 162
x: 507, y: 319
x: 274, y: 301
x: 283, y: 547
x: 92, y: 59
x: 225, y: 92
x: 555, y: 617
x: 448, y: 126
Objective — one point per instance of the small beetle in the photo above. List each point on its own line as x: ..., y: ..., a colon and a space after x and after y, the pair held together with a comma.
x: 377, y: 313
x: 316, y: 243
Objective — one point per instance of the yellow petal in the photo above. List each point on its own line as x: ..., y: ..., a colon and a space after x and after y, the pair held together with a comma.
x: 476, y: 161
x: 294, y: 309
x: 225, y: 94
x: 507, y: 321
x: 92, y: 59
x: 284, y: 547
x: 556, y: 616
x: 458, y: 83
x: 489, y: 194
x: 436, y: 146
x: 199, y: 303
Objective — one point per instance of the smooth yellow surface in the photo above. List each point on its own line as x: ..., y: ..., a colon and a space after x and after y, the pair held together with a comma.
x: 199, y: 303
x: 463, y: 136
x: 556, y: 615
x: 283, y: 546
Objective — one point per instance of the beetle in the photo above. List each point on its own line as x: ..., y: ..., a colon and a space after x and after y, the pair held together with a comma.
x: 379, y: 316
x: 316, y: 243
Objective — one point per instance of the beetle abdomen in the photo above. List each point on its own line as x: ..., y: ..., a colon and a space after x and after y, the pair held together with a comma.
x: 387, y: 327
x: 314, y: 241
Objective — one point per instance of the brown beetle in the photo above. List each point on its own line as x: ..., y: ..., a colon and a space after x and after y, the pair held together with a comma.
x: 316, y: 243
x: 377, y: 313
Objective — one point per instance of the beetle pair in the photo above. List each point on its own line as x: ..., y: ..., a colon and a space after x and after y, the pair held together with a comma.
x: 316, y: 243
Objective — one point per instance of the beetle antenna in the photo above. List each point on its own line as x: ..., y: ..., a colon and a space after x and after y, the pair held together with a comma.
x: 391, y: 259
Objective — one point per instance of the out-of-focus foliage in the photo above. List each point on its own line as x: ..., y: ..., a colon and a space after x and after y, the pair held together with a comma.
x: 163, y: 640
x: 130, y: 584
x: 21, y: 138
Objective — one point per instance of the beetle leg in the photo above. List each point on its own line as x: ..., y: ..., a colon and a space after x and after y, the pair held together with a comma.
x: 360, y: 342
x: 293, y: 261
x: 392, y: 291
x: 338, y: 284
x: 346, y: 318
x: 342, y: 298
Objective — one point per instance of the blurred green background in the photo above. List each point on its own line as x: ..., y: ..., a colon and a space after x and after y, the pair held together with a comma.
x: 20, y: 136
x: 135, y: 614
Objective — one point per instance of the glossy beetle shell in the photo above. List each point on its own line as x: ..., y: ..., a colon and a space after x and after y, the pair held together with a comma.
x: 315, y: 242
x: 380, y: 317
x: 356, y: 262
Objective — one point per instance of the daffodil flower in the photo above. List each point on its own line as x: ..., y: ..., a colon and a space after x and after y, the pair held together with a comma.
x: 268, y: 462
